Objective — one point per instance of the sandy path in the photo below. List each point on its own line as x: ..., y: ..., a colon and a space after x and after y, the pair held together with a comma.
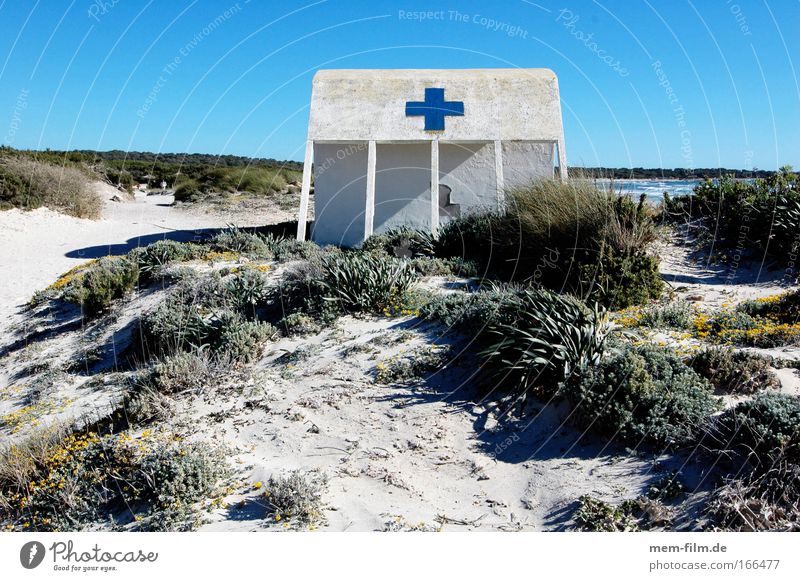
x: 37, y: 246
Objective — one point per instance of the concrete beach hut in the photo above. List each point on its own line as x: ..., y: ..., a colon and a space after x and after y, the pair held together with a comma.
x: 417, y: 147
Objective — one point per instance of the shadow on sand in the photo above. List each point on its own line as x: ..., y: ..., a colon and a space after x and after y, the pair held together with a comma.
x: 281, y: 230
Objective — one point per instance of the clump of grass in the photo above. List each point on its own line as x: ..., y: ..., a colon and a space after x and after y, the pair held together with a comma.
x: 28, y: 184
x: 152, y: 258
x: 564, y: 235
x: 549, y: 338
x: 296, y: 498
x: 361, y: 282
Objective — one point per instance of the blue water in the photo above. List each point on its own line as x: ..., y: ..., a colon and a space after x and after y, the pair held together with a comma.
x: 653, y: 189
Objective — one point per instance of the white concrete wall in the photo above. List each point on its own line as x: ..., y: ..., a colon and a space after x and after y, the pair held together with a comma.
x: 340, y: 186
x: 505, y: 104
x: 402, y: 186
x: 468, y: 170
x: 524, y: 162
x: 402, y: 183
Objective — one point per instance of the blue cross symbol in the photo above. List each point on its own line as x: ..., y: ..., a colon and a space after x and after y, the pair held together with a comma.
x: 434, y: 108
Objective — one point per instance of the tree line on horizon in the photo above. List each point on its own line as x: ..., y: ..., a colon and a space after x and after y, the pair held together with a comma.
x: 135, y: 162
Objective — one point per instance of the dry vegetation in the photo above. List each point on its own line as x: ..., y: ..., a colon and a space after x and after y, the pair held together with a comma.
x: 28, y: 184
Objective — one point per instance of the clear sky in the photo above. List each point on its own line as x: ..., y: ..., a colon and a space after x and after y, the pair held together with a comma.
x: 652, y: 83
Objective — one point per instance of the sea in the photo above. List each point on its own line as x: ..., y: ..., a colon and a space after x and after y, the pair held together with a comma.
x: 653, y: 189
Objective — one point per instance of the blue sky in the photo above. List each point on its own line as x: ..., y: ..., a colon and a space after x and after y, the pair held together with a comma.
x: 652, y: 83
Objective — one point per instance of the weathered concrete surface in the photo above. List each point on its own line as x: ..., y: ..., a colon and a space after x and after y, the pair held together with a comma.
x: 505, y: 104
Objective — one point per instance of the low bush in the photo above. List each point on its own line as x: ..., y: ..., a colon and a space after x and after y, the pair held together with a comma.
x: 239, y: 339
x: 28, y: 184
x: 188, y: 190
x: 241, y: 242
x: 733, y: 371
x: 211, y: 312
x: 299, y: 324
x: 763, y: 214
x: 402, y: 242
x: 180, y: 373
x: 412, y: 365
x: 471, y: 313
x: 152, y: 258
x: 296, y: 498
x: 783, y: 308
x: 444, y: 267
x: 760, y: 427
x: 97, y: 286
x: 82, y: 480
x: 674, y: 315
x: 563, y: 236
x: 641, y: 395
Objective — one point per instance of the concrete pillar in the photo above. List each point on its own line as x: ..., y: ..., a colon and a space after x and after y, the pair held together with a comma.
x: 369, y: 211
x: 562, y: 160
x: 434, y: 186
x: 498, y: 172
x: 304, y: 191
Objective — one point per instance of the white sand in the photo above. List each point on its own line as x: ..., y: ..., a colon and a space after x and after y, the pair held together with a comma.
x: 37, y: 246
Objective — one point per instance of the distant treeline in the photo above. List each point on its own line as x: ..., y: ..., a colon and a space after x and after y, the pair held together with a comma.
x: 678, y: 173
x: 116, y: 155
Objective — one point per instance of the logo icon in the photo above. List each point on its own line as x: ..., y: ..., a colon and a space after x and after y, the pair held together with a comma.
x: 31, y: 554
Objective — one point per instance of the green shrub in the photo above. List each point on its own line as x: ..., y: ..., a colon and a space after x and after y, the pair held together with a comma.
x: 357, y: 281
x: 674, y: 315
x: 733, y: 371
x: 105, y: 280
x: 761, y: 426
x: 237, y: 240
x: 641, y: 395
x: 239, y: 339
x: 471, y: 313
x: 402, y: 242
x: 550, y: 338
x: 426, y: 266
x: 246, y: 290
x: 412, y: 365
x: 88, y: 480
x: 783, y: 308
x: 595, y: 515
x: 563, y: 235
x: 154, y: 257
x: 180, y: 373
x: 285, y: 249
x: 188, y: 190
x: 296, y: 498
x: 299, y: 324
x: 762, y: 214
